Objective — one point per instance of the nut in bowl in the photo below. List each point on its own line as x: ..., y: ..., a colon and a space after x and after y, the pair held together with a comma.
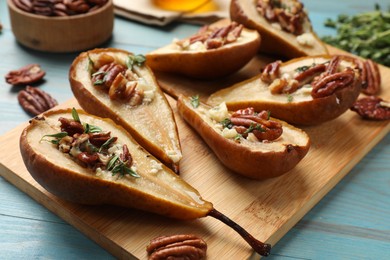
x: 62, y: 31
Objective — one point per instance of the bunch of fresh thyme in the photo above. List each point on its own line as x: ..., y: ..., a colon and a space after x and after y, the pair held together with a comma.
x: 365, y: 34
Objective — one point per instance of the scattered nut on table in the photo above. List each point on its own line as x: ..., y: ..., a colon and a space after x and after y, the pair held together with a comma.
x: 373, y: 108
x: 35, y: 101
x: 26, y: 75
x: 183, y: 246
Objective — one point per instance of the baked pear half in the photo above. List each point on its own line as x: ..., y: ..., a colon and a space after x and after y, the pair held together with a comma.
x: 248, y: 142
x: 117, y: 84
x: 90, y: 160
x: 284, y: 26
x: 215, y: 51
x: 303, y: 91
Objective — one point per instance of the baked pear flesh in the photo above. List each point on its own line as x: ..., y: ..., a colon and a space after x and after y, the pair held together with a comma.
x: 200, y: 55
x: 246, y: 141
x: 90, y: 160
x: 304, y: 91
x: 283, y: 25
x: 117, y: 84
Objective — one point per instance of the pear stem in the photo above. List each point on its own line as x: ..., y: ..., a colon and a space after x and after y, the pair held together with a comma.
x: 260, y: 247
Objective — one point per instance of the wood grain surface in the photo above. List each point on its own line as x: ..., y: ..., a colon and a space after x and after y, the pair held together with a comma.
x: 267, y: 209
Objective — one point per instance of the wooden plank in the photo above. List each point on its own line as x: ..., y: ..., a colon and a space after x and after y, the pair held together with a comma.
x: 267, y: 209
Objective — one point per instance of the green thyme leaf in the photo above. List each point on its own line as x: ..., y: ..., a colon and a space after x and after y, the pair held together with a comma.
x: 57, y: 136
x: 253, y: 127
x: 268, y: 114
x: 302, y: 68
x: 99, y: 73
x: 227, y: 123
x: 195, y: 101
x: 122, y: 169
x: 107, y: 143
x: 135, y: 60
x: 91, y: 128
x: 90, y: 148
x: 75, y: 115
x: 112, y: 162
x: 90, y: 65
x: 365, y: 34
x: 290, y: 98
x: 131, y: 172
x: 98, y: 82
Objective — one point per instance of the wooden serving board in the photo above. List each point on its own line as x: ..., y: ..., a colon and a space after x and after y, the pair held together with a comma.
x: 267, y: 209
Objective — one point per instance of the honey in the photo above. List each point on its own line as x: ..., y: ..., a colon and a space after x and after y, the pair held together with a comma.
x: 186, y: 5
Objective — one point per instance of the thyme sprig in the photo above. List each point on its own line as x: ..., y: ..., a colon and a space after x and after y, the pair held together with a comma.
x: 57, y: 137
x: 117, y: 166
x: 138, y: 60
x: 366, y: 34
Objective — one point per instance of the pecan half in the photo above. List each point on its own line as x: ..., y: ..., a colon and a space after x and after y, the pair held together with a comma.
x: 72, y: 127
x: 107, y: 74
x: 214, y: 38
x: 125, y: 156
x: 271, y: 72
x: 307, y: 74
x: 88, y: 159
x: 26, y: 75
x: 78, y: 6
x: 372, y: 78
x: 328, y: 84
x: 59, y: 7
x: 120, y: 82
x: 25, y: 5
x: 188, y: 247
x: 246, y: 121
x: 369, y: 74
x: 99, y: 138
x: 373, y: 108
x: 35, y: 101
x: 289, y: 14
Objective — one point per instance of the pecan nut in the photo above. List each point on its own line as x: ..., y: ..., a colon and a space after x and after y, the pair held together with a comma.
x: 121, y: 83
x: 271, y: 71
x: 289, y: 14
x: 107, y: 74
x: 214, y: 38
x: 373, y: 108
x: 59, y: 7
x: 177, y: 247
x: 26, y: 75
x: 35, y: 101
x: 246, y: 121
x: 72, y: 127
x: 326, y: 85
x: 372, y: 78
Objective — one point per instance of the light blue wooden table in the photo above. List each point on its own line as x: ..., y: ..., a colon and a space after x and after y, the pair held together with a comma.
x: 351, y: 222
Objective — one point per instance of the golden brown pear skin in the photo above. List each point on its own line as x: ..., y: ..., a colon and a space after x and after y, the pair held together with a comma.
x: 296, y: 108
x: 206, y: 64
x: 58, y: 173
x: 274, y: 41
x: 256, y: 161
x: 153, y: 125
